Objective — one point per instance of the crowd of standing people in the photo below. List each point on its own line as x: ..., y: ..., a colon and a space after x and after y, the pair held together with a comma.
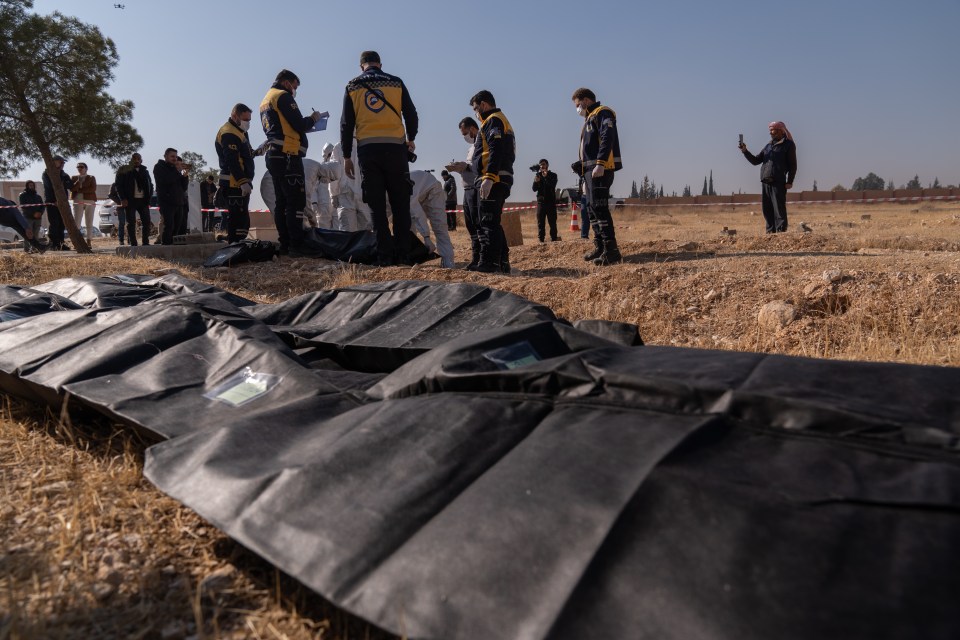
x: 365, y: 181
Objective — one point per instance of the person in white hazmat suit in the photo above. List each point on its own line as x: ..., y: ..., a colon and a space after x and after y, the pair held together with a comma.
x: 427, y: 206
x: 328, y: 176
x: 353, y: 214
x: 311, y: 173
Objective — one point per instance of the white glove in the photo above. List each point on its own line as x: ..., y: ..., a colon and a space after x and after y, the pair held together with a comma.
x: 485, y: 188
x: 245, y: 189
x: 597, y: 171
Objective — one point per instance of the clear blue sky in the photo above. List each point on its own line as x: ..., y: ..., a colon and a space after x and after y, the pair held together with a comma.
x: 864, y: 85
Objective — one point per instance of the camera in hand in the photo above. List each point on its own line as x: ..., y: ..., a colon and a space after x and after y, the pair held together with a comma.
x: 535, y: 168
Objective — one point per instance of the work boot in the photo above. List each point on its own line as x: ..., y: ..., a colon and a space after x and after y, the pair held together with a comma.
x: 590, y: 256
x: 610, y: 255
x: 487, y: 267
x: 504, y: 267
x: 475, y: 253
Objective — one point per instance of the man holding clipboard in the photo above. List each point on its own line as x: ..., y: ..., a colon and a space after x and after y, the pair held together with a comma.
x: 286, y: 130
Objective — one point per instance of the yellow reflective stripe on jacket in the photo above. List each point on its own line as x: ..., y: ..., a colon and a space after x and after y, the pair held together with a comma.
x: 232, y: 129
x: 291, y: 137
x: 375, y: 121
x: 610, y: 161
x: 485, y: 152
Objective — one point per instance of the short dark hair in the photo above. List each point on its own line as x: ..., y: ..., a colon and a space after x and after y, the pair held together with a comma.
x: 241, y: 108
x: 582, y: 93
x: 285, y: 75
x: 369, y: 56
x: 444, y: 173
x: 468, y: 122
x: 544, y: 161
x: 483, y: 96
x: 169, y: 151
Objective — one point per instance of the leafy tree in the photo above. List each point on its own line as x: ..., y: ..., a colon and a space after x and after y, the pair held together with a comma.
x: 633, y: 190
x: 54, y: 72
x: 661, y: 190
x: 936, y: 183
x: 872, y: 182
x: 704, y: 192
x: 915, y: 183
x: 686, y: 191
x: 198, y: 169
x: 890, y: 186
x: 838, y: 187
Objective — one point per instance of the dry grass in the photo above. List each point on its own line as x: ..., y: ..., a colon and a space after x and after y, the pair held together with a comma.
x: 90, y: 549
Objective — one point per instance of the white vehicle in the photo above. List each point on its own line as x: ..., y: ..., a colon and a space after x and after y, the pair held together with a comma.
x: 9, y: 235
x: 107, y: 218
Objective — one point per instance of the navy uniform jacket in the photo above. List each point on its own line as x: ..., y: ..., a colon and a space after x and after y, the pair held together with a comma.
x: 235, y: 154
x: 285, y: 127
x: 495, y: 149
x: 365, y: 109
x: 599, y: 141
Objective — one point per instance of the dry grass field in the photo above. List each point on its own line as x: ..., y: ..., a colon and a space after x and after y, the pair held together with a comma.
x: 89, y: 549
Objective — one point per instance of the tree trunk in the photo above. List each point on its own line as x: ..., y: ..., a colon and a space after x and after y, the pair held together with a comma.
x: 79, y: 244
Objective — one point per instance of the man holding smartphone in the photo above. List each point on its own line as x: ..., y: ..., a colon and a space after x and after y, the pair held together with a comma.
x: 779, y: 170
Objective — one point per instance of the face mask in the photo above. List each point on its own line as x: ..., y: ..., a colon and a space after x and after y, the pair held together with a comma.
x: 580, y: 110
x: 293, y: 93
x: 244, y: 125
x: 469, y: 139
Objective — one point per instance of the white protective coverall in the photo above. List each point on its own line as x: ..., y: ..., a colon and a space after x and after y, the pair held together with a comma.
x: 328, y: 175
x: 312, y: 171
x: 353, y: 214
x: 427, y: 205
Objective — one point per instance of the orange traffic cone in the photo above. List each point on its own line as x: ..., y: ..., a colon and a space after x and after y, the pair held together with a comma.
x: 574, y: 221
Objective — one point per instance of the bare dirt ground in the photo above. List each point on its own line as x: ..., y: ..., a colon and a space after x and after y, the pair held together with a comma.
x: 88, y: 548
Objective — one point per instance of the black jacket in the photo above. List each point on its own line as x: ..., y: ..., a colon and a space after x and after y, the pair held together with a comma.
x: 450, y: 188
x: 49, y: 194
x: 546, y: 188
x: 31, y: 204
x: 128, y: 177
x: 779, y: 162
x: 599, y: 141
x: 171, y: 186
x: 495, y: 149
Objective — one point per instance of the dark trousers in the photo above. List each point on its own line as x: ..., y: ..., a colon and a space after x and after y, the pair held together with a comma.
x: 547, y: 214
x: 238, y: 224
x: 598, y: 205
x: 121, y: 222
x: 774, y: 201
x: 470, y: 211
x: 289, y: 188
x: 170, y: 213
x: 138, y: 207
x: 182, y: 219
x: 56, y: 228
x: 584, y: 218
x: 493, y: 241
x: 385, y: 173
x: 451, y: 208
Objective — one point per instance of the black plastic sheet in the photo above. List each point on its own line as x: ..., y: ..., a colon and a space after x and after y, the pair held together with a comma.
x: 452, y: 462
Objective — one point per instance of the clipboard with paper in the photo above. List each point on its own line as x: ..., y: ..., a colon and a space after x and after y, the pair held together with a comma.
x: 321, y: 124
